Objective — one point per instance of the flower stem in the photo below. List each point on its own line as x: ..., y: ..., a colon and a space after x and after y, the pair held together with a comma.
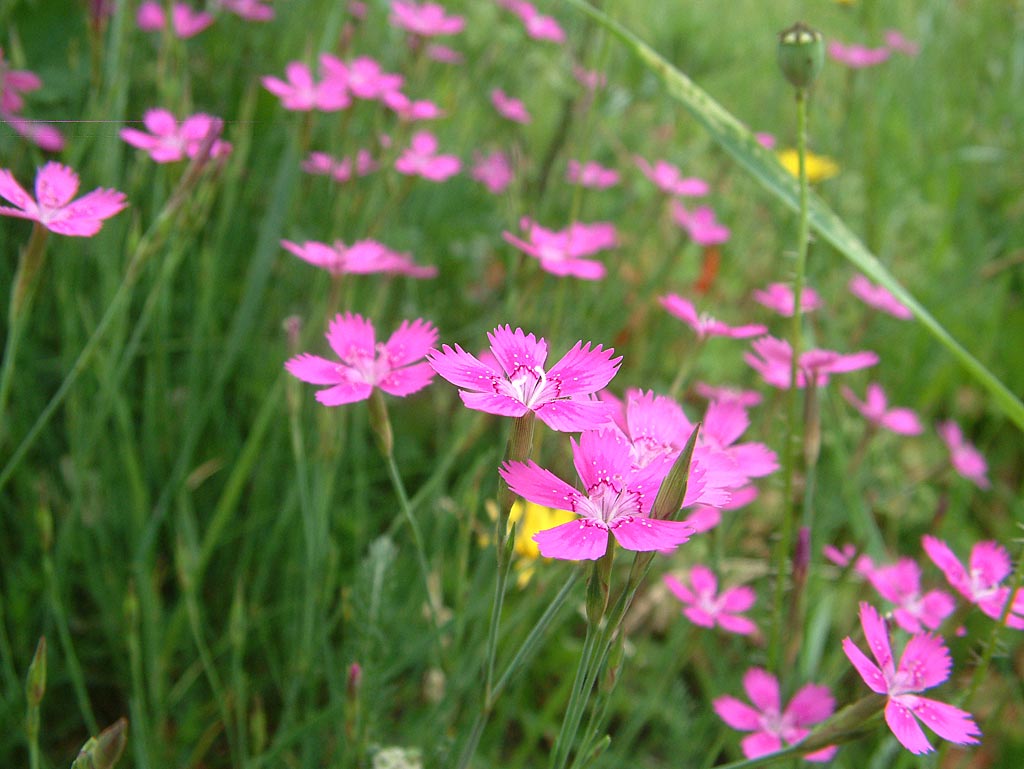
x: 792, y: 446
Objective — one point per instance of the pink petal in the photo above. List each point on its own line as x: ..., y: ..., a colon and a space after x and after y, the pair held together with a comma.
x: 947, y: 721
x: 681, y: 308
x: 877, y: 636
x: 760, y: 744
x: 990, y: 561
x: 351, y: 337
x: 737, y: 714
x: 678, y: 589
x: 410, y: 342
x: 516, y: 349
x: 583, y: 370
x: 160, y: 122
x: 820, y: 756
x: 868, y: 671
x: 579, y: 540
x: 494, y: 403
x: 735, y: 624
x: 943, y: 557
x: 762, y: 688
x: 703, y: 580
x: 55, y: 185
x: 139, y: 139
x: 699, y: 616
x: 936, y: 606
x: 98, y: 204
x: 13, y: 192
x: 810, y: 705
x: 646, y: 534
x: 314, y: 369
x: 906, y: 728
x: 346, y: 392
x: 571, y: 416
x: 738, y: 599
x: 602, y: 456
x: 902, y: 421
x: 407, y: 380
x: 537, y: 485
x: 462, y: 369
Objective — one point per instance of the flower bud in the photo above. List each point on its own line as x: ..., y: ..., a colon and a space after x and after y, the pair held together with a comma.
x: 36, y: 684
x: 801, y: 54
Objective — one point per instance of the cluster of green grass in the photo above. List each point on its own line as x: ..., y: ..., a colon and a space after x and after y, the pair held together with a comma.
x: 208, y: 551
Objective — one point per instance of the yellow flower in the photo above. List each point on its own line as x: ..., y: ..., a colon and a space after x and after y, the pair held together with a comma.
x: 819, y: 167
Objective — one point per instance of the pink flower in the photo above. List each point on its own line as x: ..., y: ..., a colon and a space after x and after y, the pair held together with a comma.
x: 322, y: 164
x: 509, y: 108
x: 878, y: 297
x: 900, y: 420
x: 185, y: 21
x: 745, y: 398
x: 493, y: 171
x: 538, y: 26
x: 617, y: 498
x: 966, y: 459
x: 989, y: 566
x: 560, y: 252
x: 167, y: 142
x: 588, y: 78
x: 363, y: 77
x: 857, y: 56
x: 844, y: 556
x: 766, y: 140
x: 560, y: 396
x: 897, y: 42
x: 670, y: 179
x: 44, y: 136
x: 900, y: 583
x: 591, y: 174
x: 410, y: 110
x: 361, y: 258
x: 251, y: 10
x: 779, y: 297
x: 52, y: 207
x: 421, y: 159
x: 700, y: 224
x: 300, y: 92
x: 773, y: 728
x: 391, y: 366
x: 704, y: 325
x: 425, y: 20
x: 925, y: 663
x: 772, y: 360
x: 13, y: 83
x: 443, y: 54
x: 707, y: 608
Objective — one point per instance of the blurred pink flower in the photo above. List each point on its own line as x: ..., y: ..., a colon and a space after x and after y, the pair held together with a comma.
x: 844, y: 556
x: 363, y: 77
x: 925, y: 663
x: 670, y: 179
x: 616, y: 498
x: 361, y: 258
x: 772, y: 359
x: 989, y: 566
x: 13, y: 83
x: 966, y: 459
x: 706, y: 607
x: 410, y: 110
x: 766, y: 140
x: 300, y: 92
x: 591, y: 174
x: 443, y: 53
x: 900, y: 583
x: 875, y: 410
x: 426, y: 20
x: 185, y: 21
x: 509, y: 108
x: 703, y: 324
x: 701, y: 225
x: 44, y: 136
x: 560, y: 396
x: 391, y: 366
x: 322, y: 164
x: 251, y: 10
x: 421, y: 159
x: 779, y: 297
x: 746, y: 398
x: 53, y: 207
x: 561, y: 252
x: 589, y: 79
x: 897, y: 42
x: 878, y: 297
x: 538, y: 26
x: 774, y: 728
x: 857, y: 56
x: 493, y: 171
x: 168, y: 142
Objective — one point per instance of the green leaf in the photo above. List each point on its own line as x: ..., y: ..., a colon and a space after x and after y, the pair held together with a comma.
x: 740, y: 143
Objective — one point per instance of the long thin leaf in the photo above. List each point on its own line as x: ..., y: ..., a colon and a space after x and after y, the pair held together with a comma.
x: 739, y: 142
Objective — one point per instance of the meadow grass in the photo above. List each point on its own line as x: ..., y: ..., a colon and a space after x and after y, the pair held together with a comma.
x: 214, y: 555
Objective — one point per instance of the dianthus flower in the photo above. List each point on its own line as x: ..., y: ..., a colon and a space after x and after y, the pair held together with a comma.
x: 361, y: 258
x: 875, y: 409
x: 989, y: 566
x: 897, y: 42
x: 705, y: 606
x: 745, y: 398
x: 421, y: 159
x: 409, y: 110
x: 878, y: 297
x: 966, y: 459
x: 846, y: 555
x: 925, y: 663
x: 185, y: 21
x: 13, y: 83
x: 774, y: 727
x: 322, y: 164
x: 42, y: 135
x: 538, y: 26
x: 53, y: 207
x: 509, y: 107
x: 772, y: 360
x: 703, y: 324
x: 857, y: 56
x: 300, y: 92
x: 169, y: 142
x: 560, y: 396
x: 425, y: 20
x: 561, y: 252
x: 250, y: 10
x: 493, y: 171
x: 591, y: 174
x: 363, y: 77
x: 617, y: 498
x: 700, y: 224
x: 443, y: 54
x: 779, y: 297
x: 900, y: 583
x: 669, y: 178
x: 390, y: 366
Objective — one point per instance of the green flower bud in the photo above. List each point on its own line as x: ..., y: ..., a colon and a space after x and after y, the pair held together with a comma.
x: 35, y: 686
x: 801, y: 54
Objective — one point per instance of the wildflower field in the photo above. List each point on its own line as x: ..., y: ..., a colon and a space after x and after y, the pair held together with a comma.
x: 506, y: 384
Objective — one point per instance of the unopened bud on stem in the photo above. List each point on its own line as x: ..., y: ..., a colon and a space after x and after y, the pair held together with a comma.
x: 801, y: 54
